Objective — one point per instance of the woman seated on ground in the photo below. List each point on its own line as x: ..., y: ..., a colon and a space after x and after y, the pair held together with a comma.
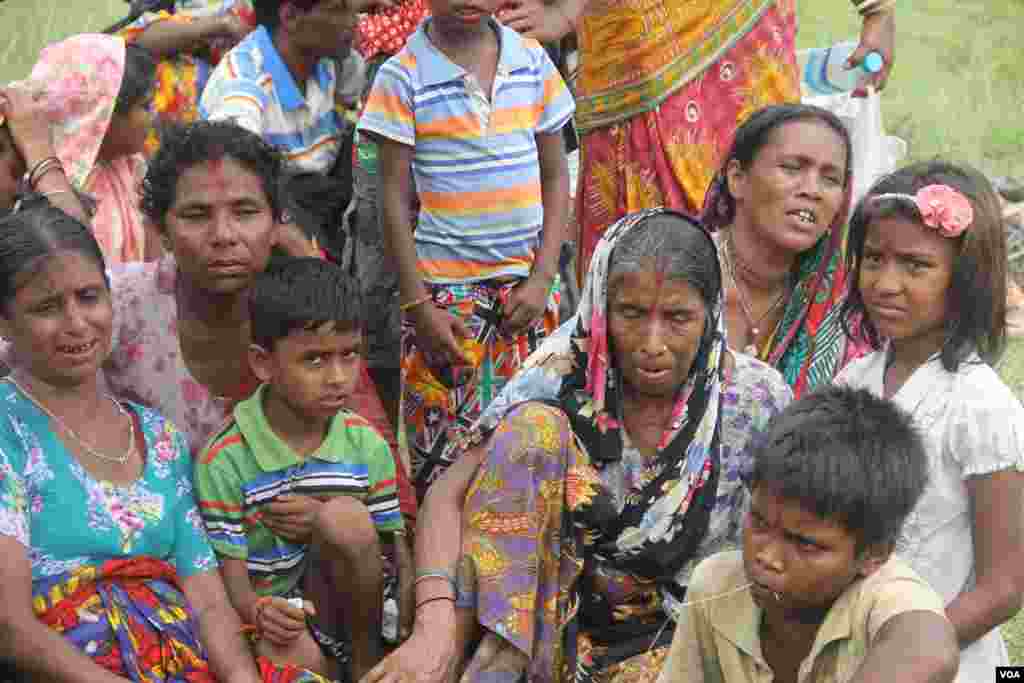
x: 106, y: 572
x: 181, y: 324
x: 630, y: 425
x: 779, y: 204
x: 95, y: 93
x: 188, y: 43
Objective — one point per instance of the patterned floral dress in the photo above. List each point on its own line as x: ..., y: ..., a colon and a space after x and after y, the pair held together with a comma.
x: 577, y: 548
x: 108, y: 559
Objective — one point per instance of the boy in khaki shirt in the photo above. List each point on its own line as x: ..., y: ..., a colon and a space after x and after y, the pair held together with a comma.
x: 815, y: 596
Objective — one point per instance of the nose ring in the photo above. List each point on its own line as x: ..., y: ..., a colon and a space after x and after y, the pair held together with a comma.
x: 778, y: 598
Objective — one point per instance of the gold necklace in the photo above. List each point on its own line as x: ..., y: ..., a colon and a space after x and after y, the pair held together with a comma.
x: 729, y: 258
x: 119, y: 459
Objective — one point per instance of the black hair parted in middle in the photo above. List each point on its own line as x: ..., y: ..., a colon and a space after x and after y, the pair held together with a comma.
x: 847, y: 456
x: 303, y: 294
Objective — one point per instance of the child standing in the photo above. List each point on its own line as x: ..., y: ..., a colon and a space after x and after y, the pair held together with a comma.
x: 297, y: 493
x: 468, y: 119
x: 928, y: 259
x: 815, y: 596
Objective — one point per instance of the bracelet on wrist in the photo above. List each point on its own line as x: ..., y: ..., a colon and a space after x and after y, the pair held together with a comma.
x: 415, y: 303
x: 446, y: 598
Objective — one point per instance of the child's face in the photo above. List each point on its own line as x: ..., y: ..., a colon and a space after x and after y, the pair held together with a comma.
x: 791, y: 552
x: 128, y: 131
x: 461, y: 15
x: 313, y: 372
x: 905, y: 274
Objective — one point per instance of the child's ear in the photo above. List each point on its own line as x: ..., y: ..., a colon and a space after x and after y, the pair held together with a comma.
x: 261, y: 363
x: 873, y: 557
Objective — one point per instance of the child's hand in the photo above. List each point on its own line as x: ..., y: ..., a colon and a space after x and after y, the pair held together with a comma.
x: 526, y: 302
x: 544, y: 22
x: 439, y: 331
x: 291, y: 517
x: 280, y: 622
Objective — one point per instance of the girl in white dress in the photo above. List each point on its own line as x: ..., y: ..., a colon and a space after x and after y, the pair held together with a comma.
x: 927, y: 256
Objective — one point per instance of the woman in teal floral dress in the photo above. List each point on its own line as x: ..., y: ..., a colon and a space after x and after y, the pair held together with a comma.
x: 106, y: 573
x: 595, y: 480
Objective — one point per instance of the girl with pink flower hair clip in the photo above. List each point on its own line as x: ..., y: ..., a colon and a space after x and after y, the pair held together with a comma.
x: 927, y: 258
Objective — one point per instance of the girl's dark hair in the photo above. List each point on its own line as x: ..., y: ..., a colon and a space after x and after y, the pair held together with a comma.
x: 33, y: 234
x: 848, y: 456
x: 750, y: 137
x: 184, y: 146
x: 302, y: 294
x: 138, y: 79
x: 976, y: 300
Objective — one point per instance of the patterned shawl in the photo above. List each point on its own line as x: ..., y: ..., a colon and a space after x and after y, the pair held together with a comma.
x: 659, y: 529
x: 809, y: 346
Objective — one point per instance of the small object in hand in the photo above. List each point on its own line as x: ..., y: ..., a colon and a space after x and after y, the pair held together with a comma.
x: 297, y: 603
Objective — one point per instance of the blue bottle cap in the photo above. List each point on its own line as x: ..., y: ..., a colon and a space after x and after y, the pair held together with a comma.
x: 873, y: 62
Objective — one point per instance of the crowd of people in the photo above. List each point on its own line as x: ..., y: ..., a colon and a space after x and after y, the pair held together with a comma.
x: 287, y: 397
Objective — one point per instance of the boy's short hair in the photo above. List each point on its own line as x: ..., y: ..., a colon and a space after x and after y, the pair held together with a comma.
x: 847, y: 456
x: 302, y: 294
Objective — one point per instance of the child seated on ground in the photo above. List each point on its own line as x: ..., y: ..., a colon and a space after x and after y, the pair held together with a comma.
x: 815, y: 595
x: 297, y: 493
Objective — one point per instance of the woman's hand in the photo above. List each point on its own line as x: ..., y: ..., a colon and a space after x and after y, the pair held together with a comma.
x: 231, y: 26
x: 538, y: 20
x: 429, y: 654
x: 24, y: 106
x: 878, y: 34
x: 526, y: 302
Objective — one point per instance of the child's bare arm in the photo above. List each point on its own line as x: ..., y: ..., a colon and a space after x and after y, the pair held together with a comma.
x: 527, y: 302
x: 240, y: 591
x: 896, y: 654
x: 435, y: 328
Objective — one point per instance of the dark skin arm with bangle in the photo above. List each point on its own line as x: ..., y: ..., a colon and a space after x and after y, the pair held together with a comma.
x: 23, y: 108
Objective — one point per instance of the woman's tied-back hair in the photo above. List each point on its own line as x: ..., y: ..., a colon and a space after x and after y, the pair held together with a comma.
x: 185, y: 146
x: 753, y: 134
x: 30, y: 236
x: 976, y: 300
x: 138, y: 79
x: 847, y: 456
x: 303, y: 294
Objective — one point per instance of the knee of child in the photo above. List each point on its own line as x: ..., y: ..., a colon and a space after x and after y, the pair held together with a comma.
x: 345, y: 524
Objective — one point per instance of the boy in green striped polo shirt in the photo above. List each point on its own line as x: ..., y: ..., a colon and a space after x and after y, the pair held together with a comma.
x: 298, y: 494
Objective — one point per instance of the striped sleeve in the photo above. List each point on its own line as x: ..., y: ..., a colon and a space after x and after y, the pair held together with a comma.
x: 389, y: 107
x: 557, y: 102
x: 382, y: 496
x: 219, y: 495
x: 234, y: 93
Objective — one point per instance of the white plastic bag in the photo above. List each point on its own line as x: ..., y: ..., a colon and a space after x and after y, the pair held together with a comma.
x: 874, y: 152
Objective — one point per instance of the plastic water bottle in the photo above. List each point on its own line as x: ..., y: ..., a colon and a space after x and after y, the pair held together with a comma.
x: 824, y: 69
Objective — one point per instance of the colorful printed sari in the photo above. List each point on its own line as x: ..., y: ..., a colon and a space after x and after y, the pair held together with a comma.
x: 440, y: 402
x: 131, y: 618
x: 661, y: 88
x: 573, y: 570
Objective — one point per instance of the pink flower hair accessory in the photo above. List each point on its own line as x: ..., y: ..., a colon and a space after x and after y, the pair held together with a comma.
x: 941, y: 207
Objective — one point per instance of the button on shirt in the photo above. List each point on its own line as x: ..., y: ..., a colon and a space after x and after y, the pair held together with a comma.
x: 253, y: 86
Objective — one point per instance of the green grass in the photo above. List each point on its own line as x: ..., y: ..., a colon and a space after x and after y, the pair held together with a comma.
x: 957, y: 90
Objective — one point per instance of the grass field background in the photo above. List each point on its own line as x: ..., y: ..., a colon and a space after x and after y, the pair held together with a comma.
x: 957, y: 90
